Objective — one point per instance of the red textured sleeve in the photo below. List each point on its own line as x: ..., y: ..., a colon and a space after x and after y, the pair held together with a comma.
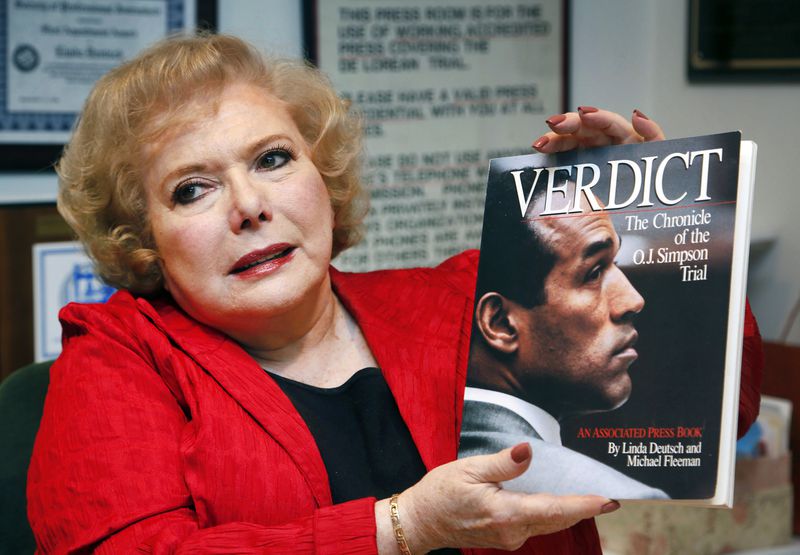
x: 107, y: 476
x: 342, y: 528
x: 752, y: 372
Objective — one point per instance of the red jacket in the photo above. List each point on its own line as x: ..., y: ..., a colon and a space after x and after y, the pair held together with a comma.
x: 162, y: 434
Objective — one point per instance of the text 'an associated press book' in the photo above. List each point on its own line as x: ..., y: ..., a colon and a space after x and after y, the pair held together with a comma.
x: 608, y: 318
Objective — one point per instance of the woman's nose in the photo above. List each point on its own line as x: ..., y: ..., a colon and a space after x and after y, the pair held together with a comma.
x: 249, y: 204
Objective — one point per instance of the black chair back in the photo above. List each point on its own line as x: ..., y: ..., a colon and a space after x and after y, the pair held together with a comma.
x: 21, y: 403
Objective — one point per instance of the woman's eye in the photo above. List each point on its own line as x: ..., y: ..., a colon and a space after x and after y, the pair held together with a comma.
x: 273, y: 159
x: 188, y: 192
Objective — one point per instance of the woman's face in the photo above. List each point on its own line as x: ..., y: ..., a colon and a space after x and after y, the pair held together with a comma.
x: 241, y: 217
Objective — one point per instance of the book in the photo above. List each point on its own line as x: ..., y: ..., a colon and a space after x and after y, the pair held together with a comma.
x: 608, y: 318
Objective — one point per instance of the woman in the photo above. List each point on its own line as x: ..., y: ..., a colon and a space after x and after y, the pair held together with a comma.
x: 189, y: 413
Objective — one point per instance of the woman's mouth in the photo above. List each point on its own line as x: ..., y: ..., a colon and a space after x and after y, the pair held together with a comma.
x: 263, y: 260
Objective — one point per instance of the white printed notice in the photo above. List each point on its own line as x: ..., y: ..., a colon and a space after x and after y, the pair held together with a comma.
x: 444, y: 86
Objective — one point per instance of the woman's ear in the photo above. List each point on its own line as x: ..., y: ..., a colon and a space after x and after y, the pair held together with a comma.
x: 496, y: 324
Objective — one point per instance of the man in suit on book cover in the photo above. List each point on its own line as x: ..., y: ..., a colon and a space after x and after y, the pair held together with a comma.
x: 552, y: 338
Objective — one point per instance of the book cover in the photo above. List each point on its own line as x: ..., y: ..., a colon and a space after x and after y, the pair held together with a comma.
x: 608, y: 317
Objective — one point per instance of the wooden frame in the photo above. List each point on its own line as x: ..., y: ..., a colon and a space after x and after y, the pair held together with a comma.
x: 743, y: 40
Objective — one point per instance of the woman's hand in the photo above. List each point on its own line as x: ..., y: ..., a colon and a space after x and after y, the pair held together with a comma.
x: 462, y: 504
x: 590, y: 127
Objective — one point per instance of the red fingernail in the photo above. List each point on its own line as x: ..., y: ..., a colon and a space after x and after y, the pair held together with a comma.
x: 521, y: 453
x: 641, y: 115
x: 540, y: 143
x: 555, y: 120
x: 587, y: 109
x: 609, y: 507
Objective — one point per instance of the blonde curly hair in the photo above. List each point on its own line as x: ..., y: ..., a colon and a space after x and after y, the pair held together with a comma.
x: 101, y: 193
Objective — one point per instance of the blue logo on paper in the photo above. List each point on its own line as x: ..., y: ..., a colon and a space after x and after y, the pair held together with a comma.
x: 26, y: 58
x: 83, y: 286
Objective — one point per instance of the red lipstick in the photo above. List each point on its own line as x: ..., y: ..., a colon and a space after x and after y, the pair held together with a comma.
x: 262, y: 261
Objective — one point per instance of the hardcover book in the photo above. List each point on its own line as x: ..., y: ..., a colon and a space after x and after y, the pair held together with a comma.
x: 608, y: 318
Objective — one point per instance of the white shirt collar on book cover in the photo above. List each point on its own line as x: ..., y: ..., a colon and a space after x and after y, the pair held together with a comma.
x: 545, y: 425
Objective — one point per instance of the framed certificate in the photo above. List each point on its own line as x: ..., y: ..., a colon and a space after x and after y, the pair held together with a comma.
x: 62, y: 273
x: 52, y: 53
x: 443, y: 86
x: 744, y: 40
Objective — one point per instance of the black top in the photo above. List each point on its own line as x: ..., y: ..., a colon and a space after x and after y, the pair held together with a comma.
x: 364, y: 442
x: 365, y: 445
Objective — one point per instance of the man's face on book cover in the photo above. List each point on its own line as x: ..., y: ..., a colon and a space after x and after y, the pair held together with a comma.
x: 580, y: 342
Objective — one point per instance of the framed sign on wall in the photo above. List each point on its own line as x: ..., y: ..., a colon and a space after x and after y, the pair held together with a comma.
x: 443, y: 86
x: 744, y: 40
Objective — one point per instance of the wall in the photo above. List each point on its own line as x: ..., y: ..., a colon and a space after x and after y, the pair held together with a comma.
x: 645, y: 67
x: 273, y: 25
